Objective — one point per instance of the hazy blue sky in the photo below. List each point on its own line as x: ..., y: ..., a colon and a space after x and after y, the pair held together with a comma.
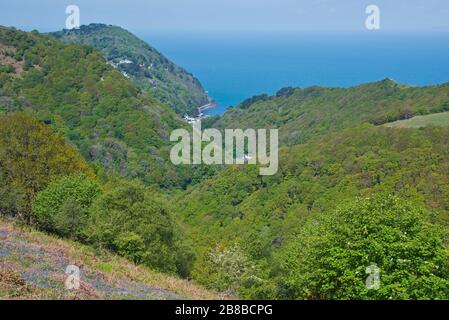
x: 227, y: 15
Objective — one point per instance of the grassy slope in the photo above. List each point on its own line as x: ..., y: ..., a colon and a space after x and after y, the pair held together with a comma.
x: 437, y: 119
x: 32, y: 266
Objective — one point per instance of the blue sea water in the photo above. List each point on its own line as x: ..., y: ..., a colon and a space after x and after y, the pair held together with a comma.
x: 236, y: 66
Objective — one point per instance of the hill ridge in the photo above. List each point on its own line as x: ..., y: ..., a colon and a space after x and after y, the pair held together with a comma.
x: 143, y: 64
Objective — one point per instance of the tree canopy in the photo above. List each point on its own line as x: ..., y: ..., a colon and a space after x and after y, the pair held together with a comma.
x: 331, y: 256
x: 31, y: 155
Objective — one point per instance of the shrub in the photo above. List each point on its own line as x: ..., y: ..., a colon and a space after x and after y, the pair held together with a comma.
x: 333, y: 252
x: 32, y: 155
x: 226, y: 269
x: 131, y: 246
x: 128, y: 216
x: 63, y: 206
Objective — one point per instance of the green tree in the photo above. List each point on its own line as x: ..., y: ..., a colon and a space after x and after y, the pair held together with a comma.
x: 226, y: 268
x: 131, y: 246
x: 31, y: 155
x: 63, y: 206
x: 330, y: 256
x: 129, y: 215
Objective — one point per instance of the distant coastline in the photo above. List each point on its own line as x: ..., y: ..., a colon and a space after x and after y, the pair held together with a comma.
x: 210, y: 105
x: 234, y: 67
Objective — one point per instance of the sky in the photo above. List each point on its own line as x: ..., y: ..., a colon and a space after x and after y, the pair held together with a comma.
x: 230, y: 15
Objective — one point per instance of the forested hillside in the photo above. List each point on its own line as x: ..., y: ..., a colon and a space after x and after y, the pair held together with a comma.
x: 301, y: 114
x: 143, y: 64
x: 113, y: 123
x: 254, y: 221
x: 84, y: 156
x: 84, y: 153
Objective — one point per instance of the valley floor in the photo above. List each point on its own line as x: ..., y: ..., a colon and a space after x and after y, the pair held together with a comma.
x: 33, y: 265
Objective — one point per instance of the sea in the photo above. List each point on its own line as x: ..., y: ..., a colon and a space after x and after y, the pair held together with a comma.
x: 234, y: 66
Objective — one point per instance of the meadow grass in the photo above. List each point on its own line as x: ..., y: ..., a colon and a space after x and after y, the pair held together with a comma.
x: 435, y: 119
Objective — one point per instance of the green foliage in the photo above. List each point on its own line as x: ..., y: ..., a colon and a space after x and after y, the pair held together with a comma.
x: 10, y: 198
x: 134, y: 222
x: 130, y: 246
x: 6, y: 69
x: 304, y: 114
x: 31, y: 155
x: 226, y: 269
x: 185, y: 257
x: 146, y: 66
x: 279, y: 236
x: 113, y: 123
x: 262, y: 214
x: 63, y: 206
x: 329, y: 257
